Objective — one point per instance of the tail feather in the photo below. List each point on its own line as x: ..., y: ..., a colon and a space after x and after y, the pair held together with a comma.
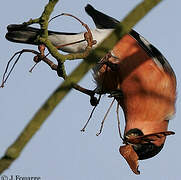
x: 24, y: 34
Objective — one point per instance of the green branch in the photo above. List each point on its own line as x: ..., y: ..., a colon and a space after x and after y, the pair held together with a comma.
x: 43, y: 38
x: 33, y: 126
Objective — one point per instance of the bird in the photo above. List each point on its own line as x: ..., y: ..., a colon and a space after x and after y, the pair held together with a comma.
x: 135, y: 72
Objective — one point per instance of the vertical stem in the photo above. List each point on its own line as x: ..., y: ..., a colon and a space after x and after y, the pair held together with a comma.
x: 45, y: 17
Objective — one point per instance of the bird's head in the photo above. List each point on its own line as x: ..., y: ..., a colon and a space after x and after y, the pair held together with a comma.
x: 143, y: 146
x: 140, y: 146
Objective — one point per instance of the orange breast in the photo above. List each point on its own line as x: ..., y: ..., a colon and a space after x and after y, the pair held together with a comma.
x: 149, y: 91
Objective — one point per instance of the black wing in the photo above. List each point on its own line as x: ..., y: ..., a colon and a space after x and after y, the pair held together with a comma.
x: 101, y: 20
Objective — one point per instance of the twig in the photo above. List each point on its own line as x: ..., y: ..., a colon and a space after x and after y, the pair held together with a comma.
x: 102, y: 123
x: 118, y: 120
x: 17, y: 59
x: 87, y: 122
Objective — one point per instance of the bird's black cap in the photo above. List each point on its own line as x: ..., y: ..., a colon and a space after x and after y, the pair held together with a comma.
x: 146, y: 150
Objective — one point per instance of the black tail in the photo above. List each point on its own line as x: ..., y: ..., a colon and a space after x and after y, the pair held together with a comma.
x: 24, y: 34
x: 101, y: 20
